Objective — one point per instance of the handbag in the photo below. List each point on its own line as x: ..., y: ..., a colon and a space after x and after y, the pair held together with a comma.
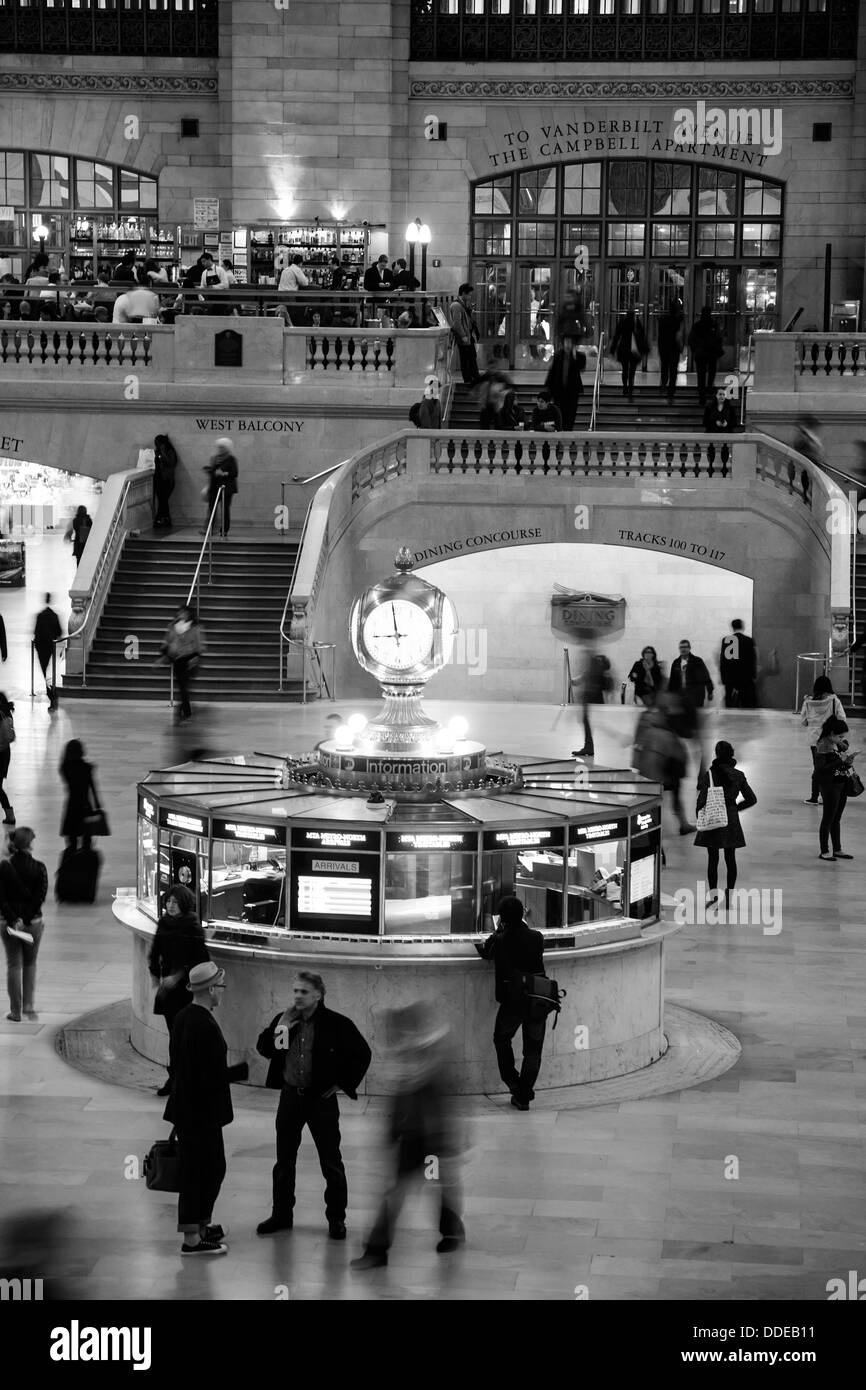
x: 161, y: 1165
x: 95, y: 823
x: 714, y: 813
x: 852, y: 782
x: 544, y: 997
x: 163, y: 989
x: 635, y: 350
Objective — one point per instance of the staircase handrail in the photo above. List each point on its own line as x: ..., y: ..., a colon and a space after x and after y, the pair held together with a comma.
x: 743, y: 378
x: 448, y: 394
x: 597, y: 381
x: 308, y: 567
x: 105, y: 542
x: 207, y: 544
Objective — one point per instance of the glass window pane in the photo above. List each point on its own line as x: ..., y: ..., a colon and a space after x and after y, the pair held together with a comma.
x: 761, y: 199
x: 49, y: 181
x: 494, y: 196
x: 626, y: 190
x: 12, y: 179
x: 761, y: 238
x: 492, y: 239
x: 670, y: 239
x: 582, y: 195
x: 625, y: 238
x: 715, y: 239
x: 429, y: 894
x: 536, y: 238
x: 586, y: 234
x: 537, y: 193
x: 717, y: 193
x: 147, y: 194
x: 672, y: 190
x: 128, y: 189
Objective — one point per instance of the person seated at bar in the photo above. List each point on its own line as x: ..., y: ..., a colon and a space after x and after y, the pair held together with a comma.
x: 720, y: 417
x: 135, y: 306
x: 546, y: 415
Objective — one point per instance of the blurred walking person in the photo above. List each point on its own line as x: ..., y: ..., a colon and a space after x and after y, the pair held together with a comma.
x: 178, y: 945
x: 184, y: 646
x: 23, y: 890
x: 78, y: 532
x: 422, y: 1130
x: 647, y: 678
x: 705, y: 342
x: 222, y: 472
x: 593, y: 684
x: 628, y: 345
x: 7, y: 738
x: 670, y: 345
x: 46, y: 631
x: 660, y: 754
x: 738, y: 668
x: 564, y: 381
x: 814, y: 713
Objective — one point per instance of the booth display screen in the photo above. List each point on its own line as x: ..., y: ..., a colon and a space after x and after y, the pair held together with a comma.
x: 248, y: 873
x: 596, y: 866
x: 183, y: 856
x: 643, y: 885
x: 530, y: 864
x: 335, y: 881
x: 430, y: 884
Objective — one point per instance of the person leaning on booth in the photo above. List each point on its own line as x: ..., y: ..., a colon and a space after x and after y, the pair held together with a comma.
x: 516, y: 950
x: 313, y: 1054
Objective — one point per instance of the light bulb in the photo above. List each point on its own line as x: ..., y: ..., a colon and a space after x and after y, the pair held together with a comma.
x: 458, y: 726
x: 344, y: 736
x: 444, y: 741
x: 357, y: 723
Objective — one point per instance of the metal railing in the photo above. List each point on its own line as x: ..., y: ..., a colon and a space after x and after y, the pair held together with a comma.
x: 206, y: 545
x: 311, y: 651
x: 597, y: 383
x: 745, y: 377
x: 109, y: 556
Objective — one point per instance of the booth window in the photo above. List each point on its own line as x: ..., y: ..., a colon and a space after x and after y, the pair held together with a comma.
x: 183, y: 859
x: 429, y: 893
x: 248, y: 883
x: 533, y: 874
x: 595, y: 879
x: 148, y: 867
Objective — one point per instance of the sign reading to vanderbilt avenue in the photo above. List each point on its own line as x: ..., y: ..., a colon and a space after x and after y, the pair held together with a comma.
x: 631, y: 134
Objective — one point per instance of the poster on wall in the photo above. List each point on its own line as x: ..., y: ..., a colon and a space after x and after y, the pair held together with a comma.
x: 206, y: 214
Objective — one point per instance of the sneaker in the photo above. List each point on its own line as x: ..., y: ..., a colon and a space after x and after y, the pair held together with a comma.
x: 14, y: 1018
x: 205, y: 1247
x: 808, y: 801
x: 837, y: 854
x: 830, y: 857
x: 519, y: 1104
x: 371, y: 1259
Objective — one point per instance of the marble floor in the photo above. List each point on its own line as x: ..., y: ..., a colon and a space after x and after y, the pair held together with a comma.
x: 750, y: 1186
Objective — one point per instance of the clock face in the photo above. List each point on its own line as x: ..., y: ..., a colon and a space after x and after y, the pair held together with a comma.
x: 399, y: 635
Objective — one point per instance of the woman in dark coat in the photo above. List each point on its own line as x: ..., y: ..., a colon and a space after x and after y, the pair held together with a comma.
x: 646, y: 676
x: 82, y: 798
x: 832, y: 761
x: 78, y: 532
x: 178, y: 945
x: 164, y: 463
x: 223, y: 472
x: 730, y: 837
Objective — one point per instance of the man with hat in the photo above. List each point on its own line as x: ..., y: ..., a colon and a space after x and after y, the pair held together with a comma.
x: 426, y: 1140
x: 199, y: 1106
x: 313, y: 1054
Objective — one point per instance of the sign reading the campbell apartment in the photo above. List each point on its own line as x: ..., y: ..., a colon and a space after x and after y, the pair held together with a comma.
x: 576, y: 612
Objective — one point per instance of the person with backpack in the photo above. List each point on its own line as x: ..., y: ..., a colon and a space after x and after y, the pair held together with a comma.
x: 426, y: 414
x: 516, y: 950
x: 164, y: 465
x: 79, y: 530
x: 628, y: 345
x: 23, y: 890
x: 7, y: 738
x: 184, y: 646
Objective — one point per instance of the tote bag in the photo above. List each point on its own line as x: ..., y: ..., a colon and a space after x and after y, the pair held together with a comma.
x: 714, y: 814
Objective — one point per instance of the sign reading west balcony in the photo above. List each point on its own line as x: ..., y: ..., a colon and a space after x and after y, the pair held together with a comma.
x: 574, y: 612
x: 228, y: 349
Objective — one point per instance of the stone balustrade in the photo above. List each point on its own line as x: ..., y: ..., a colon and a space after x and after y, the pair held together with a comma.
x: 582, y: 455
x: 809, y: 362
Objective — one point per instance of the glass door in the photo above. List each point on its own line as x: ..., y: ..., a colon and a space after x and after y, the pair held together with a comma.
x: 720, y: 292
x: 624, y: 290
x: 491, y: 282
x: 583, y: 285
x: 759, y: 311
x: 670, y: 287
x: 535, y: 315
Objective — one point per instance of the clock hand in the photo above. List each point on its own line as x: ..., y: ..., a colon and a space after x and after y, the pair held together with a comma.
x: 394, y: 620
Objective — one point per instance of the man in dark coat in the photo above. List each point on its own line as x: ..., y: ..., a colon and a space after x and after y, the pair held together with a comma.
x: 628, y: 345
x: 378, y: 277
x: 45, y: 630
x: 164, y: 465
x: 690, y: 679
x: 3, y: 652
x: 401, y: 277
x: 223, y: 472
x: 199, y: 1106
x: 313, y: 1053
x: 564, y: 381
x: 738, y: 666
x: 516, y: 951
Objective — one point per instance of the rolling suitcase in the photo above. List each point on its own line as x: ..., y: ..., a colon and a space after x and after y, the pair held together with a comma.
x: 77, y: 876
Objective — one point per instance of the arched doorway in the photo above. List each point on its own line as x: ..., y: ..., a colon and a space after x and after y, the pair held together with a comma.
x: 649, y: 230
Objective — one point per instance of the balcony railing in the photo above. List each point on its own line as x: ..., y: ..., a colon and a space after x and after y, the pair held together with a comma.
x: 148, y: 28
x: 810, y: 362
x: 729, y: 36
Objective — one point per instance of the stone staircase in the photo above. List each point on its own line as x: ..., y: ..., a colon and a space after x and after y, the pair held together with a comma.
x: 240, y: 612
x: 648, y: 410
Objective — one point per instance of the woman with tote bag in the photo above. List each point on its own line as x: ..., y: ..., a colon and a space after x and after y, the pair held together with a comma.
x: 718, y: 816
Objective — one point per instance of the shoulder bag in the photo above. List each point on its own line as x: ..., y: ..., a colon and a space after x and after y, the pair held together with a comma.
x: 544, y: 997
x: 163, y: 989
x: 714, y: 813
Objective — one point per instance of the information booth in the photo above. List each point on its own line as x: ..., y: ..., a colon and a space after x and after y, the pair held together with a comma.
x: 388, y: 900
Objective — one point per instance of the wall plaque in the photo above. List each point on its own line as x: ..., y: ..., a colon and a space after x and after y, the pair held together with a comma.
x: 574, y: 612
x: 228, y: 349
